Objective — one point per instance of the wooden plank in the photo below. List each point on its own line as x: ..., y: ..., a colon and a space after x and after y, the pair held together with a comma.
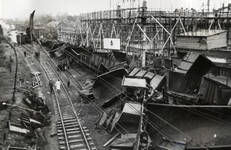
x: 213, y: 41
x: 174, y: 141
x: 107, y: 63
x: 114, y: 121
x: 217, y: 41
x: 110, y: 119
x: 111, y: 139
x: 164, y: 148
x: 96, y: 60
x: 102, y: 119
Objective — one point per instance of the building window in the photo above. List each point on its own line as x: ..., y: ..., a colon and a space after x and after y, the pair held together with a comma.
x: 223, y: 72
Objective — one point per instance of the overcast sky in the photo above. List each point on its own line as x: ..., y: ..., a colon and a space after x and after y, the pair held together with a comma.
x: 22, y: 8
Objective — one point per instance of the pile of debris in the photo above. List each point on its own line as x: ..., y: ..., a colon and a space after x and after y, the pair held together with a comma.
x: 36, y: 117
x: 38, y: 105
x: 86, y: 91
x: 136, y: 89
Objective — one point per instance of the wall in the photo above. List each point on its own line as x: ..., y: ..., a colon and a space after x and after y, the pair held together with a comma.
x: 184, y: 42
x: 217, y: 41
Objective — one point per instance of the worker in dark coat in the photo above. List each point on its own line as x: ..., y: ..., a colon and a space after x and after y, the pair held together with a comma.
x: 139, y: 95
x: 51, y: 86
x: 68, y: 83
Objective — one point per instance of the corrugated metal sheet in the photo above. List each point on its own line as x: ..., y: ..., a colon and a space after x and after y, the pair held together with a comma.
x: 141, y: 73
x: 149, y: 75
x: 133, y: 72
x: 156, y: 81
x: 138, y: 72
x: 191, y: 57
x: 153, y: 79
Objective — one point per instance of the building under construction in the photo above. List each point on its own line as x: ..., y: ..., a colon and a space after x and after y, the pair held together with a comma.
x: 141, y: 30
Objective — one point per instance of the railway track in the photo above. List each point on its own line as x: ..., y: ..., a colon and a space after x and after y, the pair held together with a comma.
x: 71, y: 134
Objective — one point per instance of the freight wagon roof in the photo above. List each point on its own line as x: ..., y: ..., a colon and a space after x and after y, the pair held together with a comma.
x: 132, y: 108
x: 134, y: 82
x: 195, y: 64
x: 155, y: 80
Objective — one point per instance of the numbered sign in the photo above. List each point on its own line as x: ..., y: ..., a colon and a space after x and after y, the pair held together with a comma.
x: 111, y: 43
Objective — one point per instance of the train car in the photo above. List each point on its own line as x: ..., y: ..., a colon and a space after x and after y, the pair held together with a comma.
x: 21, y: 38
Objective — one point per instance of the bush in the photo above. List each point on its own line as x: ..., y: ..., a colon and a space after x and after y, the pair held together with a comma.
x: 2, y: 56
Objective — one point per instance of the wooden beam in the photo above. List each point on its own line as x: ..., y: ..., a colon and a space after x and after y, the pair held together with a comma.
x: 111, y: 139
x: 129, y: 38
x: 144, y: 33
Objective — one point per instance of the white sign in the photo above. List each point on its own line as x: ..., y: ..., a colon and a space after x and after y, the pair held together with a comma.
x: 111, y: 43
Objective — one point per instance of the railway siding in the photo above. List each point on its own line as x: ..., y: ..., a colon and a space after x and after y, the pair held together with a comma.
x: 71, y: 134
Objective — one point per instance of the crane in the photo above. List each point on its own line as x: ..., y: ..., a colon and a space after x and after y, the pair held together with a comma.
x: 30, y: 28
x: 30, y: 32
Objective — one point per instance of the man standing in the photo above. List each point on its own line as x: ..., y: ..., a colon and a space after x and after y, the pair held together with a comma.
x: 68, y: 83
x: 51, y: 86
x: 58, y: 84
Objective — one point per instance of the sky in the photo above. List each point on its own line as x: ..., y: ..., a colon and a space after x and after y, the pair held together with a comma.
x: 23, y: 8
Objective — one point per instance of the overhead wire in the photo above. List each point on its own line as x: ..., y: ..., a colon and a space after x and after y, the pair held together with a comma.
x: 212, y: 118
x: 103, y: 111
x: 151, y: 124
x: 202, y: 146
x: 135, y: 108
x: 94, y: 105
x: 130, y: 104
x: 118, y: 123
x: 190, y: 111
x: 113, y: 87
x: 208, y: 116
x: 159, y: 130
x: 59, y: 68
x: 195, y: 111
x: 204, y: 115
x: 126, y: 95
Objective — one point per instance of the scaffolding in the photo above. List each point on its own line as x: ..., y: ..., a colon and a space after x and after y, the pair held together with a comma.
x: 140, y: 29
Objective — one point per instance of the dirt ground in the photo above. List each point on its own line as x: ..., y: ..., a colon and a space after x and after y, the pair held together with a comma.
x: 88, y: 113
x: 7, y: 73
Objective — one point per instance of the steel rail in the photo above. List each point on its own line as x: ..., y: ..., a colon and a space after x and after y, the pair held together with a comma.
x: 72, y: 107
x: 48, y: 70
